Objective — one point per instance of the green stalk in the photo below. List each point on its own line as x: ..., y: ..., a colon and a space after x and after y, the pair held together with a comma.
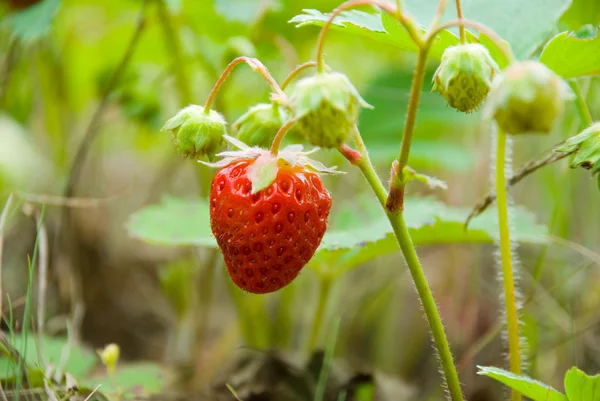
x: 416, y: 271
x: 324, y: 290
x: 582, y: 108
x: 510, y: 299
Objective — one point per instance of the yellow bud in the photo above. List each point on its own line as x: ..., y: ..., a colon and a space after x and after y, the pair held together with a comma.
x: 110, y: 356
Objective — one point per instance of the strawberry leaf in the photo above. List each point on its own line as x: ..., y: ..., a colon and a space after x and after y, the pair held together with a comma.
x: 530, y: 388
x: 580, y: 386
x: 352, y: 240
x: 583, y: 55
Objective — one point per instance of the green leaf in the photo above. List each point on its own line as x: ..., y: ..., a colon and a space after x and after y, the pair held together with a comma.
x: 581, y: 12
x: 354, y: 240
x: 355, y: 22
x: 530, y: 388
x: 32, y: 22
x: 80, y: 363
x: 580, y: 386
x: 524, y: 25
x: 262, y: 173
x: 133, y: 380
x: 571, y: 56
x: 349, y: 241
x: 173, y: 222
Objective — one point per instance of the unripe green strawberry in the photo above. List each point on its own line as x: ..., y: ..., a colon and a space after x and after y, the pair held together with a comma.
x: 465, y: 75
x: 197, y: 134
x: 586, y: 146
x: 258, y: 126
x: 527, y: 97
x: 326, y: 106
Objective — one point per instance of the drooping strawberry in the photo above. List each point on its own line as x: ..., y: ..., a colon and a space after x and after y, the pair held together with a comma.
x: 268, y: 214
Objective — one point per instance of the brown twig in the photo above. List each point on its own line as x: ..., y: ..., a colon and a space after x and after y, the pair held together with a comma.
x: 523, y: 172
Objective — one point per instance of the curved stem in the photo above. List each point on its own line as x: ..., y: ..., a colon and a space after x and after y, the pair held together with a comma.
x: 280, y: 135
x: 256, y: 65
x: 475, y: 25
x: 461, y: 27
x: 297, y: 71
x: 395, y: 200
x: 510, y: 299
x: 408, y: 250
x: 582, y: 108
x: 438, y: 14
x: 388, y: 8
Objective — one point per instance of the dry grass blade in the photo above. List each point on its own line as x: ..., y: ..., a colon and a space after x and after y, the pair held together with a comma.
x: 3, y: 219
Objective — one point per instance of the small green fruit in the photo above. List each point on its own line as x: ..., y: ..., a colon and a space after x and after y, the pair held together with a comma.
x: 527, y: 97
x: 258, y: 126
x: 464, y: 76
x: 586, y: 146
x: 197, y: 134
x: 326, y: 107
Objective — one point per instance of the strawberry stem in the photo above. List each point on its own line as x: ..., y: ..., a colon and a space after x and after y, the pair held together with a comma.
x: 395, y: 202
x: 438, y: 14
x: 280, y: 135
x: 256, y: 65
x: 388, y: 8
x: 512, y: 317
x: 416, y: 270
x: 297, y: 71
x: 461, y: 27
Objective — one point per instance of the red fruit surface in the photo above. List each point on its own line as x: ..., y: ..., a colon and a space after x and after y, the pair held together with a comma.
x: 269, y: 236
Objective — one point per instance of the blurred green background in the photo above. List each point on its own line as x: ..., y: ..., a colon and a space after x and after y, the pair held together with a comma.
x: 181, y: 325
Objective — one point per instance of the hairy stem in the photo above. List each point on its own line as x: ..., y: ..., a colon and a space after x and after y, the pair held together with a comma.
x: 388, y: 8
x: 174, y: 48
x: 280, y: 135
x: 510, y: 299
x: 256, y: 65
x: 297, y: 71
x: 582, y: 108
x: 461, y: 27
x: 395, y: 200
x: 414, y: 265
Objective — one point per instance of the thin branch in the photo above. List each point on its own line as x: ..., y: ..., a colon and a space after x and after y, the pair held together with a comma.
x: 523, y: 172
x: 93, y: 127
x: 7, y: 69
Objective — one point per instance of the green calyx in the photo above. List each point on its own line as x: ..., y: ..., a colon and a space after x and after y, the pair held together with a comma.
x: 586, y: 146
x: 326, y: 107
x: 527, y: 97
x: 197, y: 134
x: 258, y: 126
x: 464, y: 76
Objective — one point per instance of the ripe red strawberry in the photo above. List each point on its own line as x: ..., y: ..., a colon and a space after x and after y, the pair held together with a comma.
x: 267, y: 235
